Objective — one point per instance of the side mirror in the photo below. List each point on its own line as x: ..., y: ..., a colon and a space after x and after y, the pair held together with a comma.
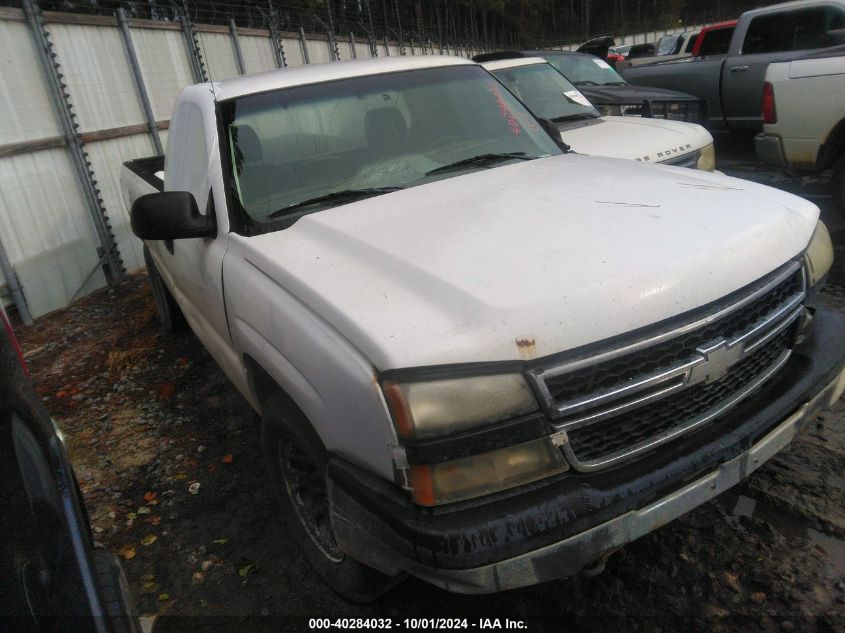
x: 552, y: 130
x: 171, y: 215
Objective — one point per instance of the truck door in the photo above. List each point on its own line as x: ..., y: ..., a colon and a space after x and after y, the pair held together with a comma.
x: 766, y: 38
x: 192, y: 268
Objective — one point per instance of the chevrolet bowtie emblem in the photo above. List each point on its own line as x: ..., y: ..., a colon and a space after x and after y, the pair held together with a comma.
x: 718, y: 359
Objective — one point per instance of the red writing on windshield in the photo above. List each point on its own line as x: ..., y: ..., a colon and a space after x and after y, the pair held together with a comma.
x: 505, y: 110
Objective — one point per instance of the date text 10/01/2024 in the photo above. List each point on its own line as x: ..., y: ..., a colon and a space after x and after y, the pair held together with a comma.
x: 414, y: 624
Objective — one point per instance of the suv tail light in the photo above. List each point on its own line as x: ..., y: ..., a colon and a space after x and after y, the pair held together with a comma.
x: 769, y: 113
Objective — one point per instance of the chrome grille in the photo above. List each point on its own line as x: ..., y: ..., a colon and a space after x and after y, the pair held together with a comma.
x: 600, y: 442
x: 623, y: 402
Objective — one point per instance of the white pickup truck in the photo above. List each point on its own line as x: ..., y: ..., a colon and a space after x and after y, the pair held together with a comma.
x: 806, y: 134
x: 477, y: 359
x: 550, y: 95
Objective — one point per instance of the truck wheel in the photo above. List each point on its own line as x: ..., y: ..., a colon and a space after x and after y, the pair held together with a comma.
x: 169, y: 312
x: 296, y: 461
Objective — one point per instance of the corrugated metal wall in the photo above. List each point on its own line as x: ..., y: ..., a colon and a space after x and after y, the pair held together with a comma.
x: 45, y: 227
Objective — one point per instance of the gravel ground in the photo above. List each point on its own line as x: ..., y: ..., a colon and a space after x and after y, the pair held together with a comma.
x: 167, y: 458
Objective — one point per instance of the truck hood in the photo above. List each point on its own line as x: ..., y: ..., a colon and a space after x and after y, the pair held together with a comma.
x: 528, y: 259
x: 651, y: 140
x: 620, y: 95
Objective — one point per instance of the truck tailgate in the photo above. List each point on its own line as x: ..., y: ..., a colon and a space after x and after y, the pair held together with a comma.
x: 141, y: 176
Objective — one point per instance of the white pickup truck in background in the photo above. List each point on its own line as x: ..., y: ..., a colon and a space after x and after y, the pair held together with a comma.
x: 550, y: 95
x: 804, y: 116
x: 477, y: 359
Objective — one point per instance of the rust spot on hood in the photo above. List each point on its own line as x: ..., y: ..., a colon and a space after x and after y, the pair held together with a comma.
x: 527, y: 347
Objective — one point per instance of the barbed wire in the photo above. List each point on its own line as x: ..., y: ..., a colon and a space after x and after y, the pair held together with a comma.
x: 438, y: 23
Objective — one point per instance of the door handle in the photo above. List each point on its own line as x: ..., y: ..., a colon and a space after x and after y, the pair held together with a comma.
x: 739, y: 69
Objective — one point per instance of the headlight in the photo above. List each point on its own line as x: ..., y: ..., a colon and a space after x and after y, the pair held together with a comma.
x: 440, y: 407
x: 707, y: 158
x: 485, y: 473
x: 610, y: 110
x: 634, y: 109
x: 819, y: 255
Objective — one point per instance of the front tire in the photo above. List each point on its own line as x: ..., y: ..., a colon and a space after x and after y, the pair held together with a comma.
x: 296, y: 462
x: 169, y: 312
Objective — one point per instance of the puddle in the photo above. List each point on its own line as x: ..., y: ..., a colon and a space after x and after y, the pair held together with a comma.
x: 832, y: 548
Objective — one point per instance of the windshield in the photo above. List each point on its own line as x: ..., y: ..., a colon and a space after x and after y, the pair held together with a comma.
x: 310, y: 147
x: 585, y: 70
x: 666, y: 44
x: 546, y: 92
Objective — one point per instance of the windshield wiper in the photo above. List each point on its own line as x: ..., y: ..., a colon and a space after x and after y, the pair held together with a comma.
x: 616, y: 83
x: 344, y: 195
x: 481, y: 159
x: 586, y: 83
x: 574, y: 117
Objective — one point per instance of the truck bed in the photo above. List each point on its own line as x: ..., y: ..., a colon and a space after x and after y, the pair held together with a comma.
x: 141, y: 176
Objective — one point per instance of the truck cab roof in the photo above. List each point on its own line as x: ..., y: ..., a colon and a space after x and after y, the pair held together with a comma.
x: 318, y: 73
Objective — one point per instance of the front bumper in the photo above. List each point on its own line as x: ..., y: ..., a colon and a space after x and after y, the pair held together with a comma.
x: 769, y: 149
x: 553, y: 529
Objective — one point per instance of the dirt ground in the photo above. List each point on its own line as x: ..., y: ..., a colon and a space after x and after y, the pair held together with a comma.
x: 167, y: 458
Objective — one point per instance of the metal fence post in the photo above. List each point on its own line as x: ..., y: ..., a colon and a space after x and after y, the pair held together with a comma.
x: 139, y: 80
x: 386, y: 46
x: 236, y: 44
x: 109, y: 256
x: 191, y: 42
x: 333, y: 50
x: 14, y: 286
x: 352, y: 45
x: 278, y: 45
x: 303, y: 45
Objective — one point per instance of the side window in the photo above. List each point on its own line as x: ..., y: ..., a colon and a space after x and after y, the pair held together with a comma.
x: 795, y: 30
x: 716, y: 42
x: 186, y: 157
x: 813, y: 24
x: 770, y: 34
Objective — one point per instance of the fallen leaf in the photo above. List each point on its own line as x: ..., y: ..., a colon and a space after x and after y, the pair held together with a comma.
x: 221, y: 541
x: 154, y: 502
x: 154, y: 520
x: 180, y: 476
x: 149, y: 496
x: 149, y: 539
x: 162, y: 597
x: 149, y: 587
x: 194, y: 488
x: 142, y: 510
x: 244, y: 570
x: 227, y: 459
x: 166, y: 390
x: 127, y: 552
x: 148, y: 578
x: 131, y: 516
x: 61, y: 394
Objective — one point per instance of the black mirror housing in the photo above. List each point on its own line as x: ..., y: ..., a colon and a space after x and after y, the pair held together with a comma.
x: 170, y: 215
